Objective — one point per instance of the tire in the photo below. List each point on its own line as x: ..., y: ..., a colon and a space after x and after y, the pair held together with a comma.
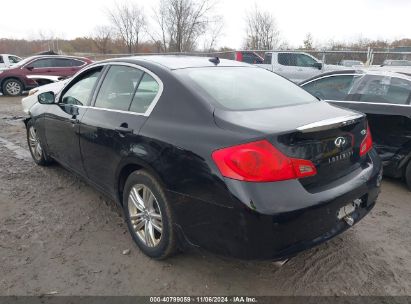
x: 149, y: 217
x: 12, y: 87
x: 408, y: 175
x: 36, y: 150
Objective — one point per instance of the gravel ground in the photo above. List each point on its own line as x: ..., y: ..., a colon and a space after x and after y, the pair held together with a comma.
x: 59, y: 235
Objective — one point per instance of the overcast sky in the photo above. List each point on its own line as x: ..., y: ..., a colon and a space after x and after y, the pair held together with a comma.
x: 325, y: 19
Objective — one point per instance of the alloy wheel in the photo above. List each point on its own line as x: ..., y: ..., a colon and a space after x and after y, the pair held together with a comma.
x: 145, y: 215
x: 13, y: 88
x: 34, y: 143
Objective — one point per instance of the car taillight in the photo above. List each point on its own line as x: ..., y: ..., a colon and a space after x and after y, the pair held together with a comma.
x: 366, y: 144
x: 260, y: 161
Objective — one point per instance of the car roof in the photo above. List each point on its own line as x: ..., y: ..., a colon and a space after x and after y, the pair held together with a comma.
x: 359, y: 71
x: 55, y: 56
x: 174, y: 62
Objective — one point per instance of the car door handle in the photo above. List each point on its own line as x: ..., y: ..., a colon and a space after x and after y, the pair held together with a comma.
x: 300, y: 70
x: 124, y: 130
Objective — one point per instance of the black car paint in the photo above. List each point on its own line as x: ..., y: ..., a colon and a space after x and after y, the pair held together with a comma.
x: 390, y: 127
x: 246, y: 220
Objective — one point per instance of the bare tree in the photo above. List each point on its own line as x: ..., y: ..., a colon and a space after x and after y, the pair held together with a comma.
x: 182, y: 22
x: 102, y: 37
x: 129, y: 21
x: 262, y: 31
x: 213, y: 33
x: 308, y: 42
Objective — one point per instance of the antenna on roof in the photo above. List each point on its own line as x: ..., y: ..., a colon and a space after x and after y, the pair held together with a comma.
x: 214, y: 60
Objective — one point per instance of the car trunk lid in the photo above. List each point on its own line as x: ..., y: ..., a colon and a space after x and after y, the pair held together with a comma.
x: 328, y: 136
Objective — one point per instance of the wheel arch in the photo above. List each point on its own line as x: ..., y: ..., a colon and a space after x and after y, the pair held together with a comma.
x: 126, y: 167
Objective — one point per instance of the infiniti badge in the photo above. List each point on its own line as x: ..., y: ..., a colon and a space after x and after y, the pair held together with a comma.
x: 340, y: 142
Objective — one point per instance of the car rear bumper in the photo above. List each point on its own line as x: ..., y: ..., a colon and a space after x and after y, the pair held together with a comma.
x: 248, y: 232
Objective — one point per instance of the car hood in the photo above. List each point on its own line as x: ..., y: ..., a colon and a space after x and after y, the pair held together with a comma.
x: 54, y: 87
x: 283, y: 119
x: 29, y: 101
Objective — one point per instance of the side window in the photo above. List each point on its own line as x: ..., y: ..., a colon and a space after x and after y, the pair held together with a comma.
x: 61, y: 62
x: 383, y: 89
x: 76, y: 63
x: 331, y: 88
x: 145, y: 94
x: 14, y: 59
x: 42, y: 63
x: 1, y: 59
x: 287, y: 59
x: 267, y: 58
x: 118, y: 88
x: 304, y: 60
x: 80, y: 92
x: 250, y: 57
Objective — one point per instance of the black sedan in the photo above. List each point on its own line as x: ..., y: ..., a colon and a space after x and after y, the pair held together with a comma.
x: 386, y: 99
x: 214, y: 154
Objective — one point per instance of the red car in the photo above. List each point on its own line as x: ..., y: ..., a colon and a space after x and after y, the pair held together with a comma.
x: 14, y: 81
x: 243, y: 56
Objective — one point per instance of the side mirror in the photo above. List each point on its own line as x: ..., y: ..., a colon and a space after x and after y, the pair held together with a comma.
x: 46, y: 98
x: 318, y: 65
x: 30, y: 68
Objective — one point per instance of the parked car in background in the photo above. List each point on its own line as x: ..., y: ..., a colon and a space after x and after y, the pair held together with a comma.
x: 54, y: 85
x: 243, y: 56
x: 8, y: 60
x: 351, y: 63
x: 296, y: 66
x: 398, y: 63
x: 14, y: 81
x: 385, y: 98
x: 213, y: 153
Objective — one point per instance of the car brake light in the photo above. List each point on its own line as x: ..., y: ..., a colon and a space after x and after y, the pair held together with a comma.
x: 260, y: 161
x: 366, y: 144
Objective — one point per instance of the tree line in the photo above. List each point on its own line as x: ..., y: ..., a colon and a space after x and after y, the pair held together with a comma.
x: 176, y: 26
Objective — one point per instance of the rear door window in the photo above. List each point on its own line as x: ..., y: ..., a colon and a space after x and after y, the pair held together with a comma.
x: 118, y: 88
x: 62, y: 63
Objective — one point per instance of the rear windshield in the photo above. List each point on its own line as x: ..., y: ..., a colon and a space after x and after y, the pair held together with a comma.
x: 245, y: 88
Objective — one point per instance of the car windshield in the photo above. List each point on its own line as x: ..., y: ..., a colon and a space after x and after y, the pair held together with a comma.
x: 245, y: 88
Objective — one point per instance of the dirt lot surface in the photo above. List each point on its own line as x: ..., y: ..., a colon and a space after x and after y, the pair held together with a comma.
x: 59, y: 235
